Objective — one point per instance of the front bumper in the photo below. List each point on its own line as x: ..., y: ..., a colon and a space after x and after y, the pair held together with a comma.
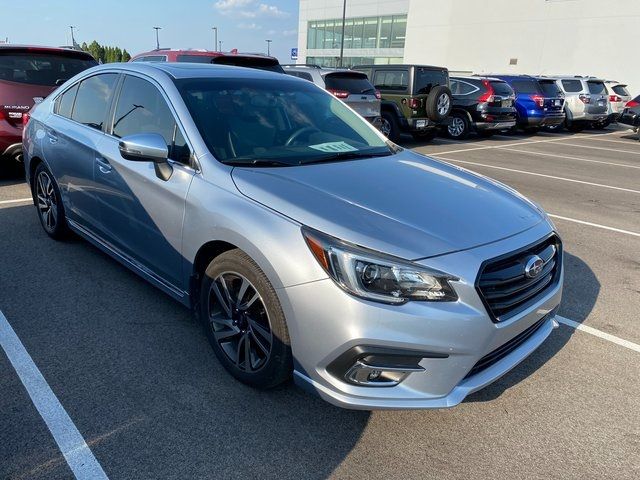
x: 325, y: 322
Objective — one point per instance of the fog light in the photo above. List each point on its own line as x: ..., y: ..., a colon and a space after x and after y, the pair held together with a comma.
x: 378, y: 376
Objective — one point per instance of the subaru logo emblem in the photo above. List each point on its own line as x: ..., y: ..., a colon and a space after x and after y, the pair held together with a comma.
x: 533, y: 267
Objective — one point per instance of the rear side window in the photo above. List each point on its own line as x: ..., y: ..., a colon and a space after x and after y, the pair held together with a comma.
x: 526, y: 86
x: 460, y: 87
x: 141, y: 108
x: 597, y: 88
x: 549, y: 88
x: 501, y: 88
x: 92, y: 100
x: 303, y: 75
x: 391, y: 80
x: 426, y: 78
x: 65, y: 102
x: 41, y: 68
x: 348, y: 82
x: 621, y: 90
x: 572, y: 86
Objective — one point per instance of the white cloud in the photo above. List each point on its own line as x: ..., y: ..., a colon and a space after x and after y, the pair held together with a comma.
x: 249, y: 9
x: 249, y: 26
x: 231, y: 4
x: 272, y: 11
x: 289, y: 33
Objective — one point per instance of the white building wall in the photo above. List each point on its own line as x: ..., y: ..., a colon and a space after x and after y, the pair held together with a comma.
x: 576, y: 37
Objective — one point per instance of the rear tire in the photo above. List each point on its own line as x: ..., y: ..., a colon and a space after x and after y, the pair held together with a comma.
x: 389, y: 126
x: 460, y: 127
x: 48, y: 202
x: 244, y: 321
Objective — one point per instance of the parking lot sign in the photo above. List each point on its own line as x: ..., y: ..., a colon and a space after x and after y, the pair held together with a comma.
x: 294, y: 54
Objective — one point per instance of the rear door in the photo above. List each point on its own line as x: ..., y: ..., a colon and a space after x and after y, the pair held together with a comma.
x: 599, y: 99
x: 502, y: 103
x: 619, y: 97
x: 355, y: 90
x: 73, y: 135
x: 553, y: 97
x: 528, y: 96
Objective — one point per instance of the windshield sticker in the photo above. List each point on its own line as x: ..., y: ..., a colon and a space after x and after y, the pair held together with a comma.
x: 334, y: 147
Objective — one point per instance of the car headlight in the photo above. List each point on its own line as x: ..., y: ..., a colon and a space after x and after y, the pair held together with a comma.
x: 377, y: 276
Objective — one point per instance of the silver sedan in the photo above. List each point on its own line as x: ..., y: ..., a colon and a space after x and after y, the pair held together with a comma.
x: 308, y: 245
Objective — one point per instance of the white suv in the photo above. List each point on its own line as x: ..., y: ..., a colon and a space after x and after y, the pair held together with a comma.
x: 586, y: 101
x: 618, y: 98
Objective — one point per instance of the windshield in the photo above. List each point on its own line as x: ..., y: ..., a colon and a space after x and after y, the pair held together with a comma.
x: 427, y: 78
x: 41, y: 68
x: 279, y: 122
x: 549, y: 88
x: 501, y: 88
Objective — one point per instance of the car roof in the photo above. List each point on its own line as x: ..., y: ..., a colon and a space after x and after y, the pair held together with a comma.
x: 395, y: 66
x: 180, y: 70
x: 511, y: 76
x: 476, y: 77
x: 576, y: 77
x: 200, y: 52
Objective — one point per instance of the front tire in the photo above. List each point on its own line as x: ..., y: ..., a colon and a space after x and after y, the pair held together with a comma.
x: 48, y: 203
x: 244, y: 321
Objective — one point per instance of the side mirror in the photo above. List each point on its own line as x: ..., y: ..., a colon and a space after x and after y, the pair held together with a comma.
x: 147, y: 147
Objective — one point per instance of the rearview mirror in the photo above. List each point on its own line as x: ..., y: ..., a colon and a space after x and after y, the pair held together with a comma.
x: 147, y: 147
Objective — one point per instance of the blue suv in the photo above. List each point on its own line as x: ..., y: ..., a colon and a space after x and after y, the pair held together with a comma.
x: 536, y: 105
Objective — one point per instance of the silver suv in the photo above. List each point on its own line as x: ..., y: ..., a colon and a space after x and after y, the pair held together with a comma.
x: 308, y: 245
x: 586, y: 101
x: 353, y: 88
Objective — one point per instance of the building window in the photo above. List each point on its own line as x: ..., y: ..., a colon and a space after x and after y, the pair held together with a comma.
x: 367, y: 32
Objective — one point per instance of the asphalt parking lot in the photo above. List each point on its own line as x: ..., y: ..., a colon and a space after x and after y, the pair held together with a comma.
x: 137, y: 378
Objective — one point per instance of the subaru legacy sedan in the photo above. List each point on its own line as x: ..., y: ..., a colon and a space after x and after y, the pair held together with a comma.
x: 307, y: 244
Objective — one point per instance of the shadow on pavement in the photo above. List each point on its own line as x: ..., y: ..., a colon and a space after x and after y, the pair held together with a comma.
x: 581, y: 290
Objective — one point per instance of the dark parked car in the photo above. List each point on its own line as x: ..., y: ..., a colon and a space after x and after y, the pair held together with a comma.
x: 631, y: 114
x: 480, y: 104
x: 534, y: 107
x: 248, y: 60
x: 27, y: 75
x: 415, y: 98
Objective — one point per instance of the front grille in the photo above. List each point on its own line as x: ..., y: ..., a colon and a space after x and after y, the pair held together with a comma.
x: 501, y: 352
x: 504, y: 286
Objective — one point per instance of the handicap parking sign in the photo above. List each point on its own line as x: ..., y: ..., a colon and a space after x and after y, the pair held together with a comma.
x: 294, y: 54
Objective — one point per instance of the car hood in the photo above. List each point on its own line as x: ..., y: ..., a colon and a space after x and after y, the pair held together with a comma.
x: 405, y: 204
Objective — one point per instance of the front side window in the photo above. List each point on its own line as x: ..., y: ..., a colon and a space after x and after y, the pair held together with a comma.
x: 92, y: 100
x: 276, y: 123
x: 141, y: 108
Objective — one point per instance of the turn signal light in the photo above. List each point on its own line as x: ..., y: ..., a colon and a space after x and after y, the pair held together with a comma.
x: 614, y: 98
x: 632, y: 103
x: 414, y: 103
x: 538, y: 100
x: 339, y: 93
x: 488, y: 95
x: 25, y: 119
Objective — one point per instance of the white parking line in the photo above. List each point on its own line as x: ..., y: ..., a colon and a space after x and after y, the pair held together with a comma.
x: 548, y: 140
x: 537, y: 174
x: 604, y: 227
x: 637, y: 152
x: 625, y: 142
x: 75, y: 450
x: 571, y: 158
x: 600, y: 334
x: 17, y: 200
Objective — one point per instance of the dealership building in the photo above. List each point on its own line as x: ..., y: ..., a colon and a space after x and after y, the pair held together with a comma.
x: 546, y: 37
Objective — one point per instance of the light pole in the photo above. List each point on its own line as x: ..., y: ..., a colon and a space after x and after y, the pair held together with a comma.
x: 157, y: 38
x: 73, y: 40
x: 269, y: 46
x: 344, y: 14
x: 220, y: 43
x: 215, y: 41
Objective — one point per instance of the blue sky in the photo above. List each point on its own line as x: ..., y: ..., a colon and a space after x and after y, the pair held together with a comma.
x: 242, y: 24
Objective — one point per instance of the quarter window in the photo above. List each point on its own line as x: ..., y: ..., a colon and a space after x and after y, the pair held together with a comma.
x: 92, y: 100
x: 391, y: 80
x: 65, y: 102
x: 141, y: 108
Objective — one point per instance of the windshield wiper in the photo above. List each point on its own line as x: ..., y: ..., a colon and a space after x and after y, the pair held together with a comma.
x: 346, y: 156
x: 256, y: 162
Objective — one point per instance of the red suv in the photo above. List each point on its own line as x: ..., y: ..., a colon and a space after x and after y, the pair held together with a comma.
x: 262, y: 62
x: 27, y: 75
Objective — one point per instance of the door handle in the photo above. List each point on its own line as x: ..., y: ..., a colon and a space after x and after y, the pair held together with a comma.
x: 53, y: 138
x: 104, y: 165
